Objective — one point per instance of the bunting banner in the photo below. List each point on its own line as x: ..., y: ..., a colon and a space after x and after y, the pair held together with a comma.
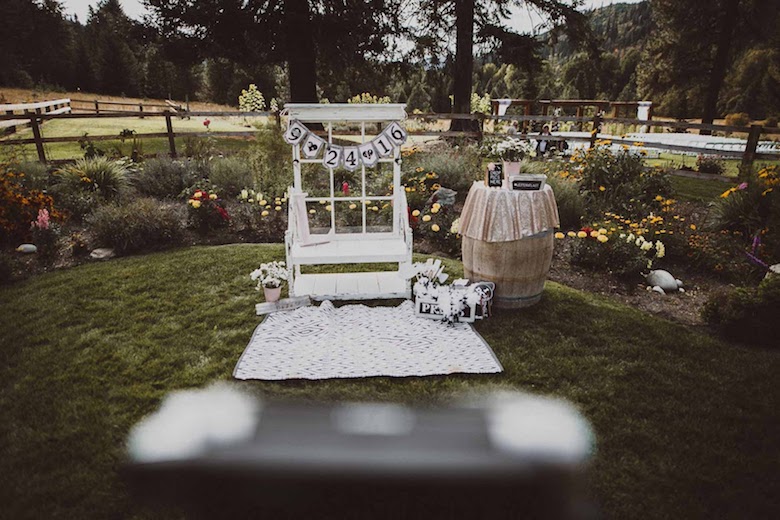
x: 295, y: 133
x: 350, y: 157
x: 312, y: 146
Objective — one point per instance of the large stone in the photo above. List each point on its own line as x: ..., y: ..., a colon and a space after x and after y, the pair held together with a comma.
x: 102, y: 253
x: 664, y: 280
x: 27, y: 248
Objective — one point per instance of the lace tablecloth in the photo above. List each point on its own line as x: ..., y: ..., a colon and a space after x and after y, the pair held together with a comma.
x: 503, y: 215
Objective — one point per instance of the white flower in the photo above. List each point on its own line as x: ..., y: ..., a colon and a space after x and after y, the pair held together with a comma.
x: 455, y: 228
x: 646, y: 246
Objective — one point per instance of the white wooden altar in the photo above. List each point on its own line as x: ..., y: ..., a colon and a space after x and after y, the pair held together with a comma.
x: 340, y: 244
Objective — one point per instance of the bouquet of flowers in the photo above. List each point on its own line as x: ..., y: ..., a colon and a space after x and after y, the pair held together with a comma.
x: 512, y: 150
x: 270, y: 275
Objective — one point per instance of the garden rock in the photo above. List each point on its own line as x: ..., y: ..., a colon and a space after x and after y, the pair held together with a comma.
x: 102, y: 253
x: 27, y: 248
x: 662, y: 282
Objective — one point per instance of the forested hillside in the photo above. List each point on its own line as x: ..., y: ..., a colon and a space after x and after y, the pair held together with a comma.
x: 699, y: 58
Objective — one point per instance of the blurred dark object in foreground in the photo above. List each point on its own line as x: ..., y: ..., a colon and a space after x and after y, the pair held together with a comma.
x: 376, y: 461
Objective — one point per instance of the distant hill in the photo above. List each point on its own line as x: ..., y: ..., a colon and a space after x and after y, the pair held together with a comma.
x: 619, y: 28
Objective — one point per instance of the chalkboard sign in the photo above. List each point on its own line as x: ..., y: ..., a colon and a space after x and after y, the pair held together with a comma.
x: 494, y: 178
x: 527, y: 182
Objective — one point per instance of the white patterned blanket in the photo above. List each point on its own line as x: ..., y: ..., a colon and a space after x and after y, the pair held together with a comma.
x: 358, y: 341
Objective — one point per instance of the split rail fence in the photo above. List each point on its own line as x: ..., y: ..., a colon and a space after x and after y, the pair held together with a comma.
x: 595, y: 123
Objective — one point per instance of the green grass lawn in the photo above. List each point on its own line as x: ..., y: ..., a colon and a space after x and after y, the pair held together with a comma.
x: 686, y: 425
x: 674, y: 160
x: 697, y: 190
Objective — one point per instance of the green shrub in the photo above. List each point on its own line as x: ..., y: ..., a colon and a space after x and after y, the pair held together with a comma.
x: 257, y: 223
x: 80, y: 187
x: 738, y: 119
x: 36, y: 175
x: 571, y: 204
x: 746, y: 315
x: 165, y: 178
x: 619, y: 182
x: 271, y: 161
x: 710, y: 164
x: 624, y: 256
x: 137, y: 225
x: 251, y: 100
x: 230, y: 175
x: 455, y: 168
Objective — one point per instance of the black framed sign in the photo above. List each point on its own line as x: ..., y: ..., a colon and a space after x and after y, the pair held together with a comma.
x: 528, y: 182
x: 494, y: 177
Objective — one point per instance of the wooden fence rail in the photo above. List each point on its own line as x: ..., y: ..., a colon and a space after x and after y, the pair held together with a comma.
x: 748, y: 155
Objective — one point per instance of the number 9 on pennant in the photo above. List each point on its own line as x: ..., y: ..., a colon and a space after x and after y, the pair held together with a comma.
x: 295, y: 133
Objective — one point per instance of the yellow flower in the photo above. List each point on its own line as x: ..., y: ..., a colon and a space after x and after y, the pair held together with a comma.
x: 693, y: 227
x: 323, y: 201
x: 435, y: 228
x: 594, y: 234
x: 572, y: 234
x: 768, y: 190
x: 278, y: 208
x: 195, y: 204
x: 213, y: 196
x: 408, y: 189
x: 602, y: 238
x: 367, y: 202
x: 312, y: 211
x: 327, y: 208
x: 435, y: 187
x: 559, y: 235
x: 264, y: 213
x: 602, y: 188
x: 581, y: 234
x: 426, y: 218
x: 352, y: 206
x: 374, y: 208
x: 198, y: 194
x: 434, y: 209
x: 602, y: 231
x: 416, y: 213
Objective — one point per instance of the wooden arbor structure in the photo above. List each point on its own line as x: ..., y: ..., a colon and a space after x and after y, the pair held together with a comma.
x: 354, y: 233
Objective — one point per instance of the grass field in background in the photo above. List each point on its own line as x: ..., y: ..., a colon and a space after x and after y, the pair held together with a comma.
x: 686, y: 425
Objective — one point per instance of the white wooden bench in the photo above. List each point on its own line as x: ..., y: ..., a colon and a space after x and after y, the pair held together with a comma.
x: 361, y: 246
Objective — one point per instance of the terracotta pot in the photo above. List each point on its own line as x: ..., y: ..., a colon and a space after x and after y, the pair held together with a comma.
x: 272, y: 294
x: 511, y: 168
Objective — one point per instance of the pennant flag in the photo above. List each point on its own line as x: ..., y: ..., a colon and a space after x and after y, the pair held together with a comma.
x: 368, y: 155
x: 351, y: 158
x: 295, y: 133
x: 312, y: 146
x: 332, y: 157
x: 383, y: 145
x: 396, y: 133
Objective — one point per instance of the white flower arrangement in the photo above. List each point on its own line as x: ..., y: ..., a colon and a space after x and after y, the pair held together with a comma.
x: 512, y: 150
x: 646, y: 245
x: 270, y: 275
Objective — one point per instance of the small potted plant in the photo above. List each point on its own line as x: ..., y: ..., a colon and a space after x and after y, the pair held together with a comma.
x: 270, y: 277
x: 511, y: 151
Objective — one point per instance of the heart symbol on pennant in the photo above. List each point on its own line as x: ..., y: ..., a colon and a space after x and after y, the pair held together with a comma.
x: 368, y: 154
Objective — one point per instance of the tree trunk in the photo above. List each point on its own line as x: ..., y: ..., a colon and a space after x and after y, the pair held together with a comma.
x: 301, y: 60
x: 727, y: 23
x: 464, y: 64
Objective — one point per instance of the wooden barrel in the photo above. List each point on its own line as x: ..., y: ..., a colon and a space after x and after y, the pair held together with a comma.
x: 518, y: 268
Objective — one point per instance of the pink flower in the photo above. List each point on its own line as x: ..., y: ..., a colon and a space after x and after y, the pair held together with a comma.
x: 42, y: 222
x: 742, y: 186
x: 345, y: 187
